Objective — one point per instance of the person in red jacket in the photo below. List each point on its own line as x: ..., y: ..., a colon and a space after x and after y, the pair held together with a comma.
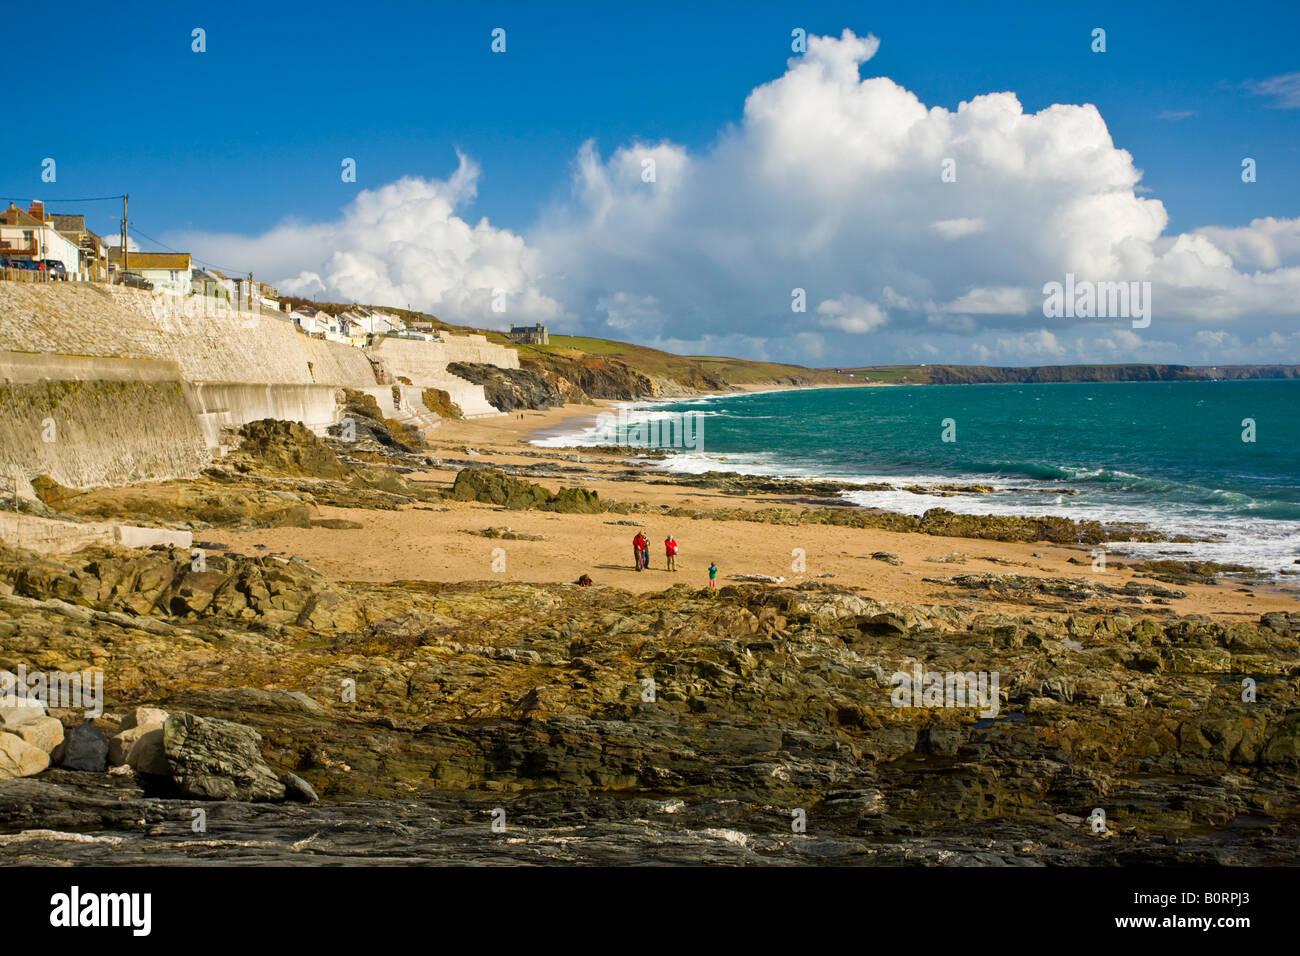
x: 670, y: 547
x: 638, y: 549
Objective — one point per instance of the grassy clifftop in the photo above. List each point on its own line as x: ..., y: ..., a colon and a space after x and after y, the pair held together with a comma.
x: 690, y: 372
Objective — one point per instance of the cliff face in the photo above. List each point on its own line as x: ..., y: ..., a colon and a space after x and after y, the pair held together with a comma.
x: 688, y: 382
x: 1255, y: 371
x: 983, y: 375
x: 597, y: 377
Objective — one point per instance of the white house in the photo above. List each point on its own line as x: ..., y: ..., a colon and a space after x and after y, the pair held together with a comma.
x: 33, y: 235
x: 314, y: 322
x: 372, y: 321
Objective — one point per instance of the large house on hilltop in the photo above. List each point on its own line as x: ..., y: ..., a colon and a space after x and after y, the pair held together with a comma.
x: 530, y: 334
x: 166, y: 270
x: 34, y: 235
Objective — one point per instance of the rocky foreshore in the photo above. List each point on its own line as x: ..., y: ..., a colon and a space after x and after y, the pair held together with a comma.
x: 588, y: 715
x: 306, y: 718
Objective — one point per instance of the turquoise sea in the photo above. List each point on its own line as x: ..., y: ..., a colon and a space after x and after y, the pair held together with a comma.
x: 1168, y: 454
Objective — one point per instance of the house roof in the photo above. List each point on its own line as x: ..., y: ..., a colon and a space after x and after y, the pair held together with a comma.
x: 68, y: 222
x: 151, y: 260
x: 13, y: 216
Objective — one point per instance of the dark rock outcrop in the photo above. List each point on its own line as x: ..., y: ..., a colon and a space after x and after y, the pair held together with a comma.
x: 214, y: 759
x: 495, y: 487
x: 936, y: 521
x: 364, y: 419
x: 510, y: 389
x: 288, y: 448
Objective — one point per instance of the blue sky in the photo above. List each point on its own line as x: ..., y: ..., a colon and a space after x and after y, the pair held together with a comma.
x: 250, y: 133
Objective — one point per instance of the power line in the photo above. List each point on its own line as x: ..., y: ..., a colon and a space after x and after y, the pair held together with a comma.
x: 211, y: 265
x: 49, y: 201
x: 137, y: 229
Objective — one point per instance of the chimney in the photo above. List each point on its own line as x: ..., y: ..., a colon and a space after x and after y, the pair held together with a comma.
x: 37, y: 210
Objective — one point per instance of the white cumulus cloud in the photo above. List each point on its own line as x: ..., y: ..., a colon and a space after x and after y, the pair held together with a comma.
x: 402, y: 243
x: 832, y: 182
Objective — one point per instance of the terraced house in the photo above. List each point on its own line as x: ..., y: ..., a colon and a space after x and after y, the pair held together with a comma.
x: 32, y: 234
x: 94, y: 251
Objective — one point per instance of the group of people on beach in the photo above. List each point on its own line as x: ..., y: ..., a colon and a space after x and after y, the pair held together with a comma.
x: 641, y: 556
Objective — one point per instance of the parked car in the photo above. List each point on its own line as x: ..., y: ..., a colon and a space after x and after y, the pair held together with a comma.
x: 13, y: 262
x: 56, y: 269
x: 134, y: 280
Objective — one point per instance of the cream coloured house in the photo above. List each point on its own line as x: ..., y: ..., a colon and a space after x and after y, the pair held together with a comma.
x: 171, y: 271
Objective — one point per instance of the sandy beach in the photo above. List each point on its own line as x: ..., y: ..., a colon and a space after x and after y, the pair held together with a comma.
x: 430, y: 542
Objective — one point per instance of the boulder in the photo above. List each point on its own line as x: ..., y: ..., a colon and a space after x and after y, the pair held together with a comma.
x: 18, y: 758
x: 939, y: 741
x: 43, y: 732
x: 148, y: 717
x: 16, y: 710
x: 1284, y: 745
x: 574, y: 501
x: 218, y: 760
x: 296, y: 788
x: 147, y: 754
x: 84, y: 747
x: 136, y: 725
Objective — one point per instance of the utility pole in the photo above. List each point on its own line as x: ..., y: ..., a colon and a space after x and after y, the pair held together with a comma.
x: 125, y: 233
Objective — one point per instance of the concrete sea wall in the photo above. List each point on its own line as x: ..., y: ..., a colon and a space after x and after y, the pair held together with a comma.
x: 135, y: 386
x: 88, y: 433
x: 223, y: 405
